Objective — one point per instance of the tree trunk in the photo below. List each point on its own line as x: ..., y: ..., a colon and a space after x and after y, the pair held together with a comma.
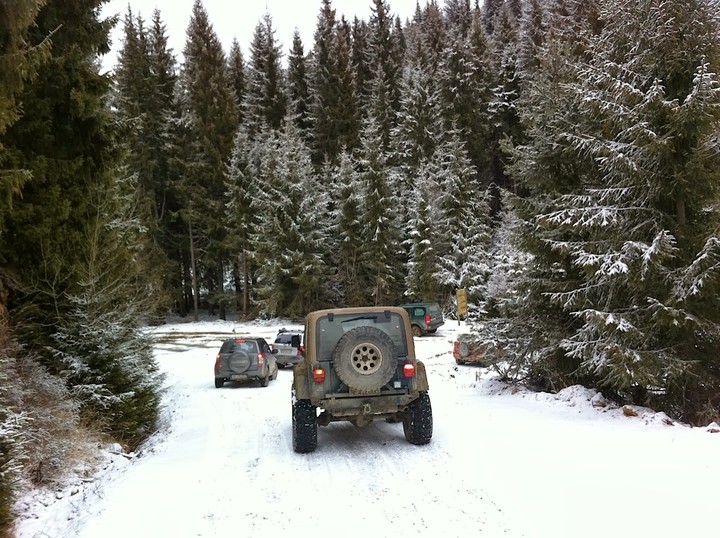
x: 246, y: 284
x: 193, y: 272
x: 680, y: 212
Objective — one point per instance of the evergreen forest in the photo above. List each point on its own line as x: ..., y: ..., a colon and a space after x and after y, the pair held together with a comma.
x: 557, y: 159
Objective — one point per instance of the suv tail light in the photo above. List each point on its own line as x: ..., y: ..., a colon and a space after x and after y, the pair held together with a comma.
x: 218, y: 361
x: 319, y: 375
x: 409, y: 370
x: 300, y: 350
x: 261, y: 359
x: 428, y: 319
x: 456, y: 349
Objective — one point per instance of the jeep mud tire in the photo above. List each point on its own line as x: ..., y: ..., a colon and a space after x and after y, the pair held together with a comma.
x: 365, y: 359
x: 304, y: 426
x: 418, y: 422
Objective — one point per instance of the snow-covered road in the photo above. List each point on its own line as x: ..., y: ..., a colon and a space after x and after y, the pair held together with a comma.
x: 499, y: 464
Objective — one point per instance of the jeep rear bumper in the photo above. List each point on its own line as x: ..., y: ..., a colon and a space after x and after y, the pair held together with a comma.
x: 363, y: 409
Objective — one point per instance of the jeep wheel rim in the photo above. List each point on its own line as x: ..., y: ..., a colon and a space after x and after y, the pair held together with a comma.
x: 366, y: 358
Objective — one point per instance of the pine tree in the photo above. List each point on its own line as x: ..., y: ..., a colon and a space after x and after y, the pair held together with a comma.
x: 19, y: 62
x: 361, y: 61
x: 241, y: 190
x: 465, y: 86
x: 144, y: 87
x: 632, y: 228
x: 236, y: 72
x: 506, y: 91
x: 298, y: 91
x: 382, y: 269
x: 97, y: 343
x: 324, y: 77
x: 464, y: 227
x: 213, y: 121
x: 290, y: 244
x: 423, y: 264
x: 384, y: 54
x: 348, y: 230
x: 67, y: 139
x: 265, y: 100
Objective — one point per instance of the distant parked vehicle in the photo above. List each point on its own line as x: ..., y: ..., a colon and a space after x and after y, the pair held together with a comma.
x: 425, y: 318
x: 289, y: 348
x: 471, y: 349
x: 245, y: 359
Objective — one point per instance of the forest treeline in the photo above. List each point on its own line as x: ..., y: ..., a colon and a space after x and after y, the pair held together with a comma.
x: 558, y: 159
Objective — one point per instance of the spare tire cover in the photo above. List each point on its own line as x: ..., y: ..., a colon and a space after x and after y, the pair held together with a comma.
x: 365, y: 358
x: 239, y: 361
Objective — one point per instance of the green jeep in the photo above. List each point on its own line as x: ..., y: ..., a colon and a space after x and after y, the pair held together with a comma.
x: 424, y: 317
x: 359, y: 366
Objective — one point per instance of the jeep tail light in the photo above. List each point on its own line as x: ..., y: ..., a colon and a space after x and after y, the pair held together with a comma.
x: 261, y: 359
x: 319, y: 375
x: 428, y: 319
x: 409, y: 370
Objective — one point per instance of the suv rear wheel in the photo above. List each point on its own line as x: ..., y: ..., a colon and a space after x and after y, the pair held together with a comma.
x: 304, y: 426
x: 418, y: 422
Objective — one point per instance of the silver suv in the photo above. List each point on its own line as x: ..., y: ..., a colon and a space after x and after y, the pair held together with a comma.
x: 288, y: 348
x: 245, y: 359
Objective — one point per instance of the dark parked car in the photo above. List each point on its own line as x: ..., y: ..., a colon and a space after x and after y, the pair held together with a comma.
x: 424, y: 317
x: 245, y: 359
x: 289, y: 348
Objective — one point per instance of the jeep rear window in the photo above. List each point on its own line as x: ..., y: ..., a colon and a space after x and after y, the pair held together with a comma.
x: 329, y: 332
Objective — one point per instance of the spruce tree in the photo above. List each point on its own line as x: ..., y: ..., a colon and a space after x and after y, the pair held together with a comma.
x: 632, y: 226
x: 144, y: 87
x: 421, y: 281
x: 290, y: 243
x: 236, y: 72
x: 67, y: 139
x: 266, y: 100
x: 324, y: 78
x: 212, y: 111
x: 241, y: 217
x: 298, y: 91
x: 348, y: 230
x: 382, y: 265
x: 19, y: 62
x: 464, y: 227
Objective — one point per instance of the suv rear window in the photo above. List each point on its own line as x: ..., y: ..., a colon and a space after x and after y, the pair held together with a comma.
x: 288, y: 338
x: 231, y: 346
x: 434, y: 310
x: 333, y: 330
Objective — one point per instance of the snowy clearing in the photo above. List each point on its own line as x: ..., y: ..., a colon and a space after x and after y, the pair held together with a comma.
x: 502, y: 462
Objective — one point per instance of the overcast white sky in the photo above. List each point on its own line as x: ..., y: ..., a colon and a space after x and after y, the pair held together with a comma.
x: 238, y: 18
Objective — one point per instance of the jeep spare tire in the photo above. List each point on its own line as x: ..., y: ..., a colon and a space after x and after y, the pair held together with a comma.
x: 365, y: 358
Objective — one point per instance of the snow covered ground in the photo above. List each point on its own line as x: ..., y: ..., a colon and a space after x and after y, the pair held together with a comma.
x: 502, y: 463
